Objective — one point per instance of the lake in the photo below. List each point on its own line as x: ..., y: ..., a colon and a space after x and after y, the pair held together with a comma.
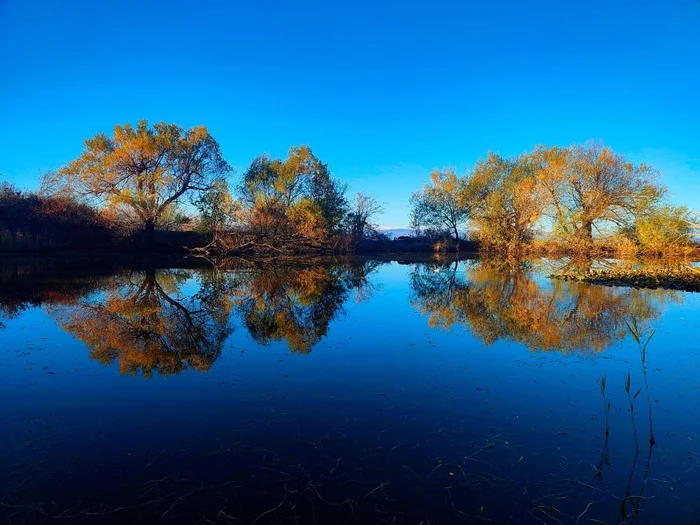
x: 344, y: 391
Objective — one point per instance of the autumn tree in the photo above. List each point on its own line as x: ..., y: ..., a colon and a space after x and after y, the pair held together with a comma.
x: 143, y: 170
x: 664, y: 228
x: 360, y: 219
x: 591, y: 187
x: 219, y: 212
x: 294, y: 201
x: 507, y: 201
x: 441, y: 204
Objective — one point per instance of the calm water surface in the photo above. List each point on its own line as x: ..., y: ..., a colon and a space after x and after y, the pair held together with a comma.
x: 354, y: 392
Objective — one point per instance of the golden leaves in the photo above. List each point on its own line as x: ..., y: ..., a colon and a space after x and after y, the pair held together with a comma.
x: 144, y: 168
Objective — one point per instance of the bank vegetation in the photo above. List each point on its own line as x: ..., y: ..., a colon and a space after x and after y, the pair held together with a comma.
x: 132, y: 187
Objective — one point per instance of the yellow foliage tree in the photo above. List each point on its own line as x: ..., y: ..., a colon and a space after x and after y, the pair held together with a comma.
x: 441, y: 206
x: 590, y: 187
x: 665, y: 228
x: 142, y: 171
x: 507, y: 201
x: 293, y: 201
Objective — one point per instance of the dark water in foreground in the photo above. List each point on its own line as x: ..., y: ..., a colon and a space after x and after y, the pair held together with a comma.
x: 362, y: 392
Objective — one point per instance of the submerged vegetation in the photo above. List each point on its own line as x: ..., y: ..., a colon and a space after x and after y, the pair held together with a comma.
x: 629, y: 504
x: 556, y: 200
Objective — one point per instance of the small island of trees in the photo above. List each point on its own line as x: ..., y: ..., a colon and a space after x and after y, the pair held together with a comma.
x: 132, y: 187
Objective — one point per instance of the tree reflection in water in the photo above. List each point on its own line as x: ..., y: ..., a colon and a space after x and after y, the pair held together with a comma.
x: 149, y: 323
x: 504, y: 301
x: 296, y: 303
x: 28, y: 284
x: 167, y: 321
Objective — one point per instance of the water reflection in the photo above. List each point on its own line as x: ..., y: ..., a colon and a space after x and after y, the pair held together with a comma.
x: 167, y: 321
x: 296, y: 304
x: 147, y: 324
x: 505, y: 301
x: 26, y: 284
x: 395, y: 426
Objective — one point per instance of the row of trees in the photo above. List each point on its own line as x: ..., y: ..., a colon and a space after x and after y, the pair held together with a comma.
x: 141, y: 174
x: 578, y: 198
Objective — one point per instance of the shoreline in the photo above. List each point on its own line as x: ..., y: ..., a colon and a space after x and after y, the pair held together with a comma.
x: 685, y: 279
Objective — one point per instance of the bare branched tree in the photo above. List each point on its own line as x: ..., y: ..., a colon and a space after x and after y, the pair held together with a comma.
x: 361, y: 218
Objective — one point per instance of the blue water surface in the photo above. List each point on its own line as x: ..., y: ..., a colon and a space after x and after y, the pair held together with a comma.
x: 347, y: 392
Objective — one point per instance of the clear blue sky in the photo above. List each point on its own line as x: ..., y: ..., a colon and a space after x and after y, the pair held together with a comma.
x: 382, y: 91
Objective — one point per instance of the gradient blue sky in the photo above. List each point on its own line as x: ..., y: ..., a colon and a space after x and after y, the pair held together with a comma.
x: 382, y: 91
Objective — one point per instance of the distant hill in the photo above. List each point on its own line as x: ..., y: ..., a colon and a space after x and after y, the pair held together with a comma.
x: 393, y: 233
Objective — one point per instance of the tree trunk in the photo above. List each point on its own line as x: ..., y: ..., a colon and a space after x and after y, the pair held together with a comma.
x: 456, y: 238
x: 587, y: 231
x: 149, y: 232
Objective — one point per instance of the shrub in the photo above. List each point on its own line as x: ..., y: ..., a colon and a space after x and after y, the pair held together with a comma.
x: 32, y: 222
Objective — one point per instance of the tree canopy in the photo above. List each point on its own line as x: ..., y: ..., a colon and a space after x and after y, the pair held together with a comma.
x: 507, y: 201
x: 293, y: 200
x: 580, y: 198
x: 142, y: 171
x: 441, y: 206
x: 591, y: 185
